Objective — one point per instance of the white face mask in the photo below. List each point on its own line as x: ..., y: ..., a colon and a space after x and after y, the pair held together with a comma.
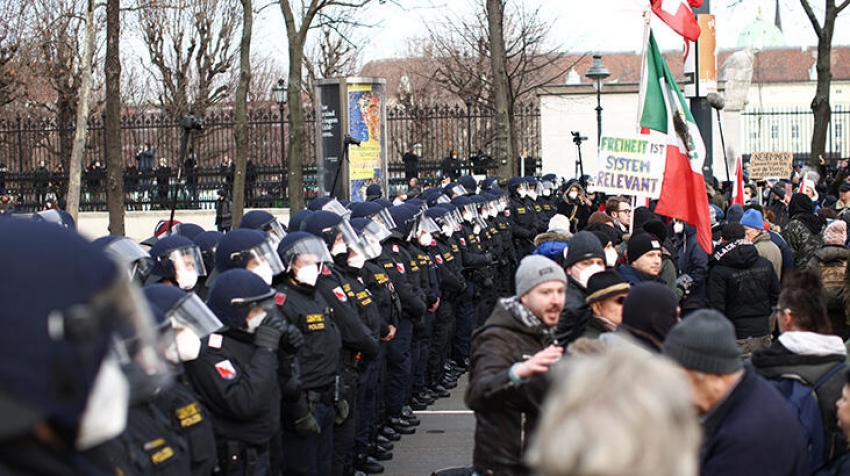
x: 264, y: 270
x: 186, y: 280
x: 546, y: 192
x: 447, y: 230
x: 678, y: 227
x: 585, y: 274
x: 467, y: 216
x: 338, y: 249
x: 573, y: 195
x: 532, y: 194
x: 307, y: 275
x: 476, y: 229
x: 105, y: 416
x: 254, y: 322
x: 522, y: 193
x: 425, y: 239
x: 188, y: 344
x: 356, y: 261
x: 611, y: 257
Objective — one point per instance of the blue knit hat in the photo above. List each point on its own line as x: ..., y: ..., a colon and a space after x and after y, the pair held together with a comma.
x: 753, y: 219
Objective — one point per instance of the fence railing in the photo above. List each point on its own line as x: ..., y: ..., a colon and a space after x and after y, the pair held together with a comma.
x: 790, y: 130
x: 26, y: 143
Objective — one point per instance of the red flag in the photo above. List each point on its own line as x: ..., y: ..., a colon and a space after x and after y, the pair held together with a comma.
x: 666, y: 116
x: 738, y: 184
x: 677, y: 14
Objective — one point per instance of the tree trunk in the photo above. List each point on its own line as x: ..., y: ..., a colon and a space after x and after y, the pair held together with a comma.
x: 241, y: 131
x: 114, y: 165
x: 501, y: 89
x: 78, y: 152
x: 821, y: 108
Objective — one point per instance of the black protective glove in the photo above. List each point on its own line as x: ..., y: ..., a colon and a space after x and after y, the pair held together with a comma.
x: 267, y: 337
x: 291, y: 338
x: 342, y: 411
x: 307, y: 425
x: 685, y: 282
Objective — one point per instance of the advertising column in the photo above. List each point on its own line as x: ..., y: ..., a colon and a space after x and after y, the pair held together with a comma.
x: 367, y: 162
x: 329, y: 143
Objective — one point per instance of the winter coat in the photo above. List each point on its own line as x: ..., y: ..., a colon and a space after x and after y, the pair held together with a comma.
x: 633, y: 276
x: 802, y: 241
x: 752, y: 432
x: 693, y: 261
x: 768, y: 250
x: 506, y: 412
x: 839, y: 467
x: 743, y: 286
x: 836, y: 298
x: 813, y: 356
x: 784, y: 249
x: 576, y: 314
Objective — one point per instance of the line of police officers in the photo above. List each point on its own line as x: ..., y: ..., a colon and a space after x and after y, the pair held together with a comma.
x: 300, y: 352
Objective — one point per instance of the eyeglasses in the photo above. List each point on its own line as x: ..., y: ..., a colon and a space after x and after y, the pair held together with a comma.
x: 627, y: 210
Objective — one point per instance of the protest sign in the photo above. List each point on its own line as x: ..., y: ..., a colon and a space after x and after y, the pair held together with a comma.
x: 630, y: 166
x: 770, y: 164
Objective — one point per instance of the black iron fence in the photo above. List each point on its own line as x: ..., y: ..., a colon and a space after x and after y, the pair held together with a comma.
x: 790, y: 130
x: 34, y: 154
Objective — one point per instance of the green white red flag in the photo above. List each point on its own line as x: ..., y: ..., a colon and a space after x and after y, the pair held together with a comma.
x: 679, y: 16
x: 665, y: 116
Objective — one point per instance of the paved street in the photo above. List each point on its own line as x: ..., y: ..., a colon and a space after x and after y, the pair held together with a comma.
x: 444, y: 439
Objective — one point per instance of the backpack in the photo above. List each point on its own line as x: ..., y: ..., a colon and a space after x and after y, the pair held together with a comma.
x: 804, y: 402
x: 832, y: 275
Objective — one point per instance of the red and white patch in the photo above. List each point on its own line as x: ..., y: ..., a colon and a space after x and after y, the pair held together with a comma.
x: 225, y: 370
x: 340, y: 294
x: 439, y: 259
x: 462, y: 241
x: 326, y: 271
x: 507, y: 213
x: 400, y: 267
x: 214, y: 341
x: 433, y: 242
x: 279, y: 299
x: 395, y: 248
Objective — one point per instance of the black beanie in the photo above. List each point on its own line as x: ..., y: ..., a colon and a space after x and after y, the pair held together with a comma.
x: 650, y: 311
x: 640, y: 244
x: 583, y: 245
x: 705, y: 342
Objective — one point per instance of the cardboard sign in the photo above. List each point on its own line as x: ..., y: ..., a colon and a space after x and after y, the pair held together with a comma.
x: 631, y: 166
x: 770, y: 164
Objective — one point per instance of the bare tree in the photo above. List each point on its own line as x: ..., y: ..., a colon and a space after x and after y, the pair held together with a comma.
x: 191, y: 49
x: 112, y: 125
x: 300, y: 16
x: 75, y: 166
x: 241, y: 131
x: 495, y: 60
x: 12, y: 15
x: 820, y: 104
x: 334, y: 54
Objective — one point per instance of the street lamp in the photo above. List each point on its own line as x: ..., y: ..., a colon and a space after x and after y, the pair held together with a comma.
x: 597, y: 73
x: 280, y: 97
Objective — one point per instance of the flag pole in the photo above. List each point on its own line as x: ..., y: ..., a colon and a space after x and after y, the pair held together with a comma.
x: 647, y: 15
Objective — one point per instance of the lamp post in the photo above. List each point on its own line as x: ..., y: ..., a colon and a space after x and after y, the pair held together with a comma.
x: 597, y: 73
x: 280, y: 97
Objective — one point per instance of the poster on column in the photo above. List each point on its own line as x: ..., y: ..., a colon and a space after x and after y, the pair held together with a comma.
x: 366, y: 111
x: 630, y: 166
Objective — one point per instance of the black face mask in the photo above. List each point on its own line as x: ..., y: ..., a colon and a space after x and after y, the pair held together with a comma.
x: 341, y: 260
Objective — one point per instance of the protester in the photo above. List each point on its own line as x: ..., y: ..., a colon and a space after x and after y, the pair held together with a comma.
x: 803, y: 231
x: 606, y: 292
x: 748, y: 427
x: 511, y: 354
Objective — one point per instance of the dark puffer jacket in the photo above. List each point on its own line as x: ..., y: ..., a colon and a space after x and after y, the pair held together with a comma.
x: 505, y: 413
x: 777, y: 361
x: 743, y: 286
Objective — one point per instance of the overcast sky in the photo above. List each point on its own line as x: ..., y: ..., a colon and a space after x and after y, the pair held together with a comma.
x: 577, y: 25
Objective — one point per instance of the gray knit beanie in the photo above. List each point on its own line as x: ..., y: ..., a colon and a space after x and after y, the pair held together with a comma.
x: 537, y: 269
x: 705, y: 342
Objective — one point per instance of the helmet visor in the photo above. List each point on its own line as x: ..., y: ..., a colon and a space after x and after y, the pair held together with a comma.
x: 384, y: 218
x: 130, y: 256
x: 265, y: 253
x: 191, y: 312
x: 371, y: 237
x: 187, y: 259
x: 335, y: 207
x: 310, y: 250
x: 275, y: 230
x: 422, y: 224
